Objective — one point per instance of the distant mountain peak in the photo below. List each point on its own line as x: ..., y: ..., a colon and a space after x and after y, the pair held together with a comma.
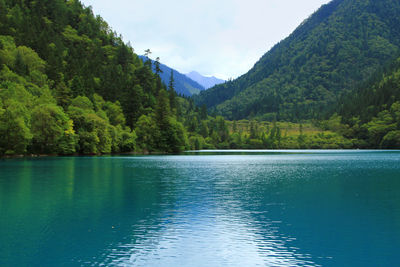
x: 206, y: 81
x: 183, y: 84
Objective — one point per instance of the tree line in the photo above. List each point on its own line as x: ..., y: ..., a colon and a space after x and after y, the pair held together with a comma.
x: 70, y: 85
x: 303, y: 76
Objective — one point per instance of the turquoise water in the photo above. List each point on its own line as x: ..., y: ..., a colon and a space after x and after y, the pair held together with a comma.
x: 321, y: 208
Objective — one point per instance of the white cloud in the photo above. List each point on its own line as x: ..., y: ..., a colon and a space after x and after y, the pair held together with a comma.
x: 222, y: 38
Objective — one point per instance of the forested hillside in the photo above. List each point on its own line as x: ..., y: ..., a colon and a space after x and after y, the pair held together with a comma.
x: 378, y: 93
x: 371, y: 113
x: 69, y: 84
x: 303, y: 76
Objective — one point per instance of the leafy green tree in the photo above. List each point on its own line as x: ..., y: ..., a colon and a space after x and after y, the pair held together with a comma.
x: 63, y: 95
x: 176, y: 136
x: 147, y: 133
x: 88, y: 142
x: 14, y: 128
x: 114, y: 113
x: 391, y: 140
x: 27, y: 60
x: 50, y: 125
x: 102, y: 130
x: 82, y: 102
x: 128, y: 140
x: 204, y: 129
x: 68, y: 142
x: 378, y: 127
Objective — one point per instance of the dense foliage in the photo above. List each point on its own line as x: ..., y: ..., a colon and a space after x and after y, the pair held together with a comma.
x: 217, y: 133
x: 371, y: 114
x: 303, y: 76
x: 69, y: 84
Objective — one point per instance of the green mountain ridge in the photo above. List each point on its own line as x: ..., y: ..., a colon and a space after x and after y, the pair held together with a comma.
x: 329, y: 54
x: 69, y: 84
x: 371, y: 113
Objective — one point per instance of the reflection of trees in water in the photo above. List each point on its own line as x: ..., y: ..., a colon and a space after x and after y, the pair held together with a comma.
x: 32, y: 196
x: 188, y: 210
x: 63, y: 209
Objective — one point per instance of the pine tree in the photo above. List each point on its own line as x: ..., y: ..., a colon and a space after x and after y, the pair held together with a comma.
x: 20, y: 67
x: 162, y: 109
x: 133, y: 104
x: 147, y: 54
x: 203, y: 112
x: 171, y: 92
x: 157, y: 68
x: 3, y: 17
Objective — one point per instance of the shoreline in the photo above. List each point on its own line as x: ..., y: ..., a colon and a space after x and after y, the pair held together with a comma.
x: 146, y: 153
x: 21, y: 156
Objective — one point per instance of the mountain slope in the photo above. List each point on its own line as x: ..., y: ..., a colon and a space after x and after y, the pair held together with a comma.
x: 339, y: 46
x: 370, y: 114
x: 374, y: 96
x: 206, y: 82
x: 69, y: 84
x: 183, y: 84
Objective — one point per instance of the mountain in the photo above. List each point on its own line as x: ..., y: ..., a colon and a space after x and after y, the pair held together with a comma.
x: 370, y: 114
x: 302, y: 77
x: 69, y: 84
x: 206, y: 82
x: 183, y: 84
x: 377, y: 94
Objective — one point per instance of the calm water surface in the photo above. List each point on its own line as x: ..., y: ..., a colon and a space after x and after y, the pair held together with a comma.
x: 284, y: 208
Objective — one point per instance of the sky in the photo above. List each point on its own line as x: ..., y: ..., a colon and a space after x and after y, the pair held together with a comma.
x: 222, y: 38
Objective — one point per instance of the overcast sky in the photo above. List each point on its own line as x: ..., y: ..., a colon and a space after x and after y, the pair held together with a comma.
x: 224, y: 38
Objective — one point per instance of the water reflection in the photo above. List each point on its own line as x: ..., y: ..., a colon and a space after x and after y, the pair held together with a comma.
x: 208, y: 221
x: 313, y: 209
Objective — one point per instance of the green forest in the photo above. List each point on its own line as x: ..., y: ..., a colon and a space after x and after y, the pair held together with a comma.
x: 70, y: 85
x: 304, y: 76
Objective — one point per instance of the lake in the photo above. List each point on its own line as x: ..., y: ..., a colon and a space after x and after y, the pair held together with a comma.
x: 237, y: 208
